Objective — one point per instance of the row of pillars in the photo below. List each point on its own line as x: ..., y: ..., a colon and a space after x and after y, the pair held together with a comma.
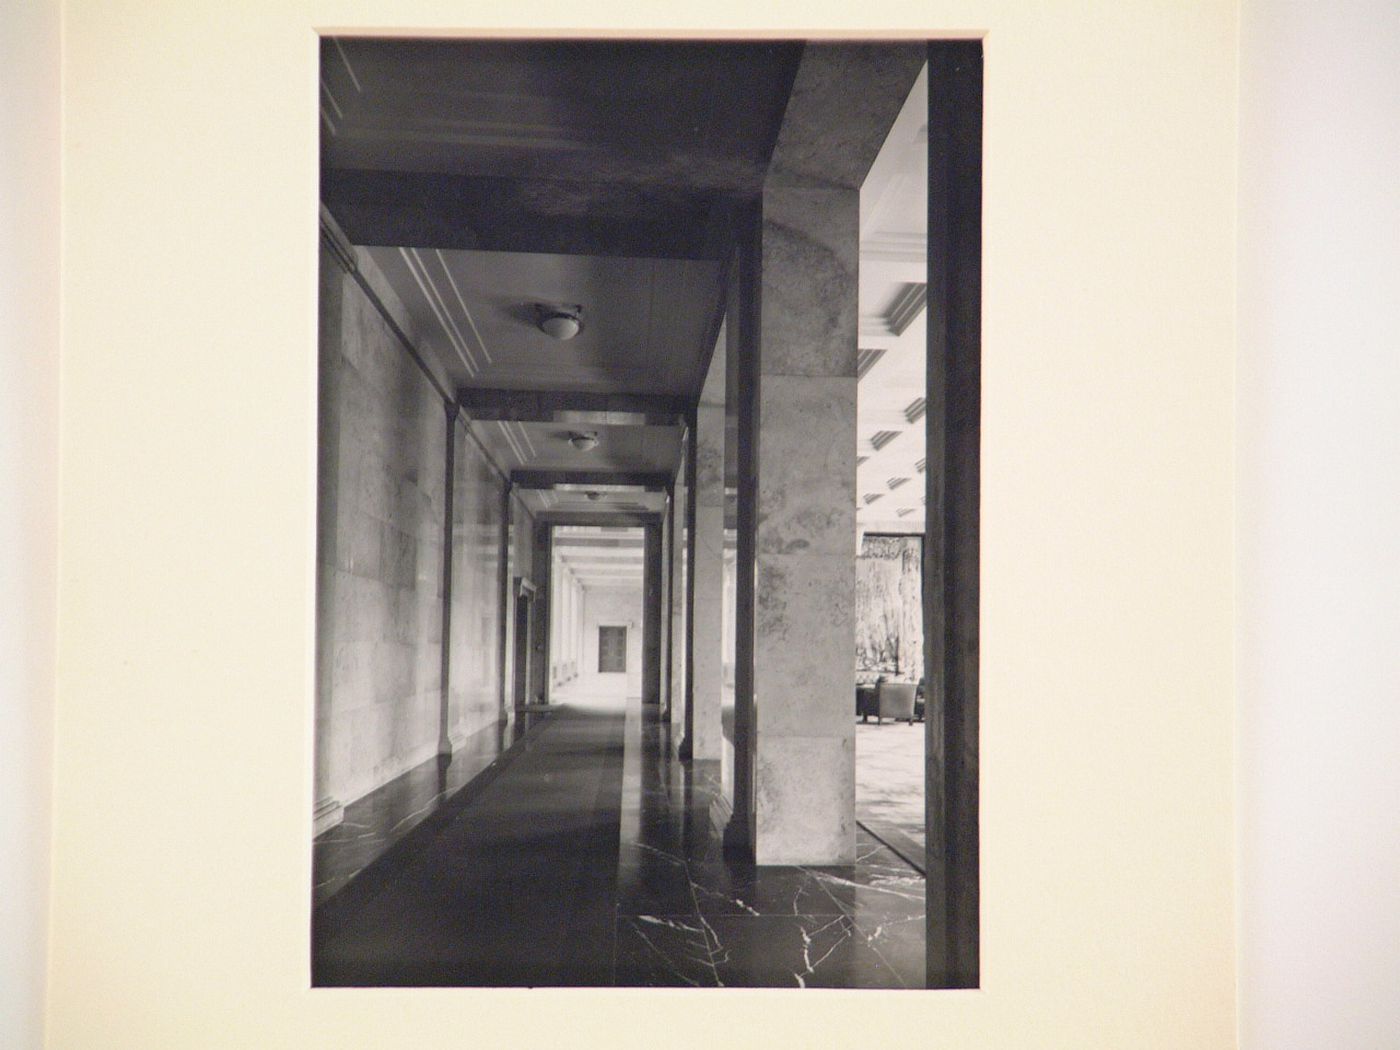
x: 775, y: 428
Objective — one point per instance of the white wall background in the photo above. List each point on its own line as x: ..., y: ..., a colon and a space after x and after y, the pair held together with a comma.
x: 1108, y: 522
x: 29, y: 282
x: 612, y: 607
x: 1318, y: 495
x: 1108, y: 615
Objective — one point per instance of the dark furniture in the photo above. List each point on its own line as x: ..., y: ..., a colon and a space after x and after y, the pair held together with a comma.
x: 895, y: 700
x: 866, y: 702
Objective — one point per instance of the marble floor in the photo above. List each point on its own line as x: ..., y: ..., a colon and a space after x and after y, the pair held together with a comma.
x: 890, y: 785
x: 412, y: 803
x: 592, y: 857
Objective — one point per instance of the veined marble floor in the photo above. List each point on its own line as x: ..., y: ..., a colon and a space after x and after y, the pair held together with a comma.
x: 591, y: 858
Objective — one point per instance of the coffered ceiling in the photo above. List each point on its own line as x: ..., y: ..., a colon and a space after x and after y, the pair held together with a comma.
x: 643, y: 320
x: 600, y: 557
x: 892, y: 338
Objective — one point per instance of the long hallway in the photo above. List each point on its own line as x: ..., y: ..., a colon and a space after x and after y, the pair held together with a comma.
x: 592, y: 857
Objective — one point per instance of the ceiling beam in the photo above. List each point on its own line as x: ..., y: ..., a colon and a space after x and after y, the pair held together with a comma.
x: 572, y: 542
x: 612, y: 519
x: 548, y: 216
x: 563, y: 406
x: 651, y: 481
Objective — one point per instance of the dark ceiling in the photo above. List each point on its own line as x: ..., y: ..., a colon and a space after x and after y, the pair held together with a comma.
x: 641, y: 148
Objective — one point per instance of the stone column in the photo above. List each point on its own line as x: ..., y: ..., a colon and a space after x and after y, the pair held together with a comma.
x: 651, y: 613
x: 741, y: 485
x: 844, y: 100
x: 663, y: 610
x: 680, y: 513
x: 703, y: 731
x: 448, y: 522
x: 952, y: 545
x: 804, y: 657
x: 503, y: 605
x: 542, y: 567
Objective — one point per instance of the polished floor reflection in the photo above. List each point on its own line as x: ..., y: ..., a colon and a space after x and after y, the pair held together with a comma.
x: 591, y: 857
x: 412, y: 803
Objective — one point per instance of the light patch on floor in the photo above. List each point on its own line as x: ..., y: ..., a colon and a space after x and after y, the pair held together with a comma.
x: 890, y: 782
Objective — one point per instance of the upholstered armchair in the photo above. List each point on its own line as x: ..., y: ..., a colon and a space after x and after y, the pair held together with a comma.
x: 895, y: 700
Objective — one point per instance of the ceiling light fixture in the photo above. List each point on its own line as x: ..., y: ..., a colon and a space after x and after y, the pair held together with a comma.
x: 583, y: 441
x: 559, y: 322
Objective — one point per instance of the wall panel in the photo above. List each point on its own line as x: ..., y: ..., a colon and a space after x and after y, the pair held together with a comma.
x: 382, y: 442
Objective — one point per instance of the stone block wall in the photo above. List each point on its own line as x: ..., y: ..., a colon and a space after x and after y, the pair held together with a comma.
x: 379, y: 557
x: 382, y: 447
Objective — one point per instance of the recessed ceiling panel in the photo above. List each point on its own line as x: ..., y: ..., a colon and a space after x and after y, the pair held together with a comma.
x: 577, y: 504
x: 546, y: 446
x: 646, y: 324
x: 890, y: 479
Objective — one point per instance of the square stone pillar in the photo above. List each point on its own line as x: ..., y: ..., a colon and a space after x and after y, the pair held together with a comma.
x: 542, y: 567
x: 804, y: 642
x: 504, y: 611
x: 704, y: 731
x: 680, y: 514
x: 663, y: 610
x: 952, y: 545
x: 844, y: 99
x: 652, y: 571
x: 448, y: 525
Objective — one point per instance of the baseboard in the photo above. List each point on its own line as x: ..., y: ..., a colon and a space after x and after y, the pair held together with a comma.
x: 327, y: 814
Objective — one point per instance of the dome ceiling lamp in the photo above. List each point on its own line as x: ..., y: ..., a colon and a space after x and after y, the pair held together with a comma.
x: 559, y: 322
x: 584, y: 441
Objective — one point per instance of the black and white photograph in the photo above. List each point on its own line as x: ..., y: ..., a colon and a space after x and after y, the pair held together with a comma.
x: 631, y: 670
x: 739, y: 525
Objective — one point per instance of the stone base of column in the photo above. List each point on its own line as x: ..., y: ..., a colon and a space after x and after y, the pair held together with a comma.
x: 327, y: 814
x: 737, y: 841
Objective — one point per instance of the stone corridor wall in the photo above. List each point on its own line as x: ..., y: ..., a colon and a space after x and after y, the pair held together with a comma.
x: 474, y: 674
x: 382, y: 435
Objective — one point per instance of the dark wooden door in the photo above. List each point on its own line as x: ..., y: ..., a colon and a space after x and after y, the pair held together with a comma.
x: 612, y: 650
